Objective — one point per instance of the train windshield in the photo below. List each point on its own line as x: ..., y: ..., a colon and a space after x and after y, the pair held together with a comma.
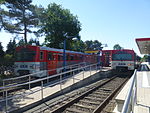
x: 25, y: 55
x: 122, y: 57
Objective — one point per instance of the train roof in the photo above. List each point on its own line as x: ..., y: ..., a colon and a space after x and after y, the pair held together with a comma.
x: 59, y: 50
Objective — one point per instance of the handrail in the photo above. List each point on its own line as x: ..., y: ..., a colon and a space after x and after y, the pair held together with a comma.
x: 129, y: 94
x: 41, y: 71
x: 7, y: 88
x: 41, y: 79
x: 38, y: 80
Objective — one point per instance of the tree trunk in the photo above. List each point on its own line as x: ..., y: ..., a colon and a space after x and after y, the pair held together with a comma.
x: 25, y: 33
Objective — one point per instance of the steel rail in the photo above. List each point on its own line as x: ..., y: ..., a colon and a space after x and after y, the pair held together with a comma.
x: 62, y: 108
x: 106, y: 101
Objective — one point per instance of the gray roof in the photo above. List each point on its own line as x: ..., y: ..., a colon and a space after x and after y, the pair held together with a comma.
x: 59, y: 50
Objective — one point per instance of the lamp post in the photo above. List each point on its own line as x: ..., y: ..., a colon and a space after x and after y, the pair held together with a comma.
x: 64, y: 55
x: 64, y: 50
x: 100, y: 53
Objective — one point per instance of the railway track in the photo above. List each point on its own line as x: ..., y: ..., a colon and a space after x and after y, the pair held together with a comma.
x: 91, y: 99
x: 94, y: 100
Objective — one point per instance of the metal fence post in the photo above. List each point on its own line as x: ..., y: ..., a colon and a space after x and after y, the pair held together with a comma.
x: 6, y: 102
x: 29, y: 82
x: 47, y: 75
x: 42, y: 89
x: 78, y: 67
x: 83, y: 73
x: 60, y: 82
x: 90, y: 70
x: 3, y: 86
x: 73, y: 77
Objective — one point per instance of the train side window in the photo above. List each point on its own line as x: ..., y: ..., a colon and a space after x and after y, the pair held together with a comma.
x: 50, y: 56
x: 68, y: 57
x: 81, y: 57
x: 72, y: 57
x: 41, y: 55
x: 60, y: 57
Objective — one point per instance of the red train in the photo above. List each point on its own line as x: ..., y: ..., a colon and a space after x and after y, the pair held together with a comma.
x: 117, y: 59
x: 31, y: 59
x: 123, y: 59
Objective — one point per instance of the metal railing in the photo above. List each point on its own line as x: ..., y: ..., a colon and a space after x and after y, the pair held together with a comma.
x: 82, y: 69
x: 9, y: 81
x: 131, y: 95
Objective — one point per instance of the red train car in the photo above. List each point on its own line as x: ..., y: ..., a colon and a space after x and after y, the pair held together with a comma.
x: 31, y: 59
x: 106, y: 58
x: 123, y: 59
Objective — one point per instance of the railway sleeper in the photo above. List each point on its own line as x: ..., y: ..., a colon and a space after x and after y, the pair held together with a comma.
x: 105, y: 89
x: 72, y: 110
x: 86, y: 101
x: 85, y: 106
x: 94, y: 99
x: 100, y: 93
x: 98, y: 96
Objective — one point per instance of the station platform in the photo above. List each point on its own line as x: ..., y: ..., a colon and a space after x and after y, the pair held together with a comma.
x: 79, y: 80
x: 142, y: 96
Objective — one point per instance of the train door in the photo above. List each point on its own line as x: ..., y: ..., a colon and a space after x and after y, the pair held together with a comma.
x: 43, y: 63
x: 51, y: 62
x: 107, y: 59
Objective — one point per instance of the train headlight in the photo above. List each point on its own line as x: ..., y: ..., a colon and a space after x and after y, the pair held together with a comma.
x: 130, y: 64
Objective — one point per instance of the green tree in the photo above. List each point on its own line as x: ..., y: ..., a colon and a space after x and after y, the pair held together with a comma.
x: 8, y: 60
x: 36, y: 42
x: 88, y: 44
x: 1, y: 51
x: 145, y: 58
x: 78, y: 45
x: 93, y: 45
x: 21, y: 42
x: 19, y: 16
x: 138, y: 58
x: 11, y: 47
x: 97, y: 45
x: 117, y: 47
x: 2, y: 1
x: 58, y: 22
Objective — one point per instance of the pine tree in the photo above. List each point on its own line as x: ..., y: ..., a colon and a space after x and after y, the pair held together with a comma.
x: 19, y: 16
x: 11, y: 47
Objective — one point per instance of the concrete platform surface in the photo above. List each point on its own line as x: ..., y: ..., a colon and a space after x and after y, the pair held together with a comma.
x: 142, y: 97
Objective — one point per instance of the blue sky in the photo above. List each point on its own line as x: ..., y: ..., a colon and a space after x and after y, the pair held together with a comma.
x: 109, y: 21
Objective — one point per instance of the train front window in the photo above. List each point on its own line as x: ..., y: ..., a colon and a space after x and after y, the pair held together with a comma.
x: 122, y: 57
x: 25, y: 55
